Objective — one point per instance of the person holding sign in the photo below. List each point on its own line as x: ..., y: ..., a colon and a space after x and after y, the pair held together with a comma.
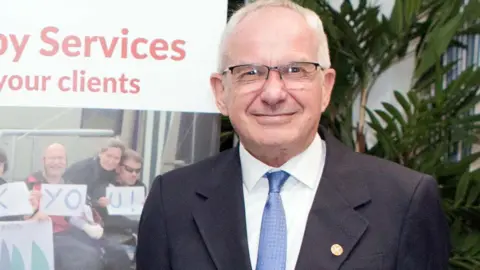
x: 75, y: 237
x: 31, y: 198
x: 290, y: 195
x: 97, y: 172
x: 3, y: 169
x: 73, y: 248
x: 128, y: 173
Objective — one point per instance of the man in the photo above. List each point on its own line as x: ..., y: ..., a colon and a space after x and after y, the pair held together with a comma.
x: 72, y: 246
x: 128, y: 173
x: 287, y: 197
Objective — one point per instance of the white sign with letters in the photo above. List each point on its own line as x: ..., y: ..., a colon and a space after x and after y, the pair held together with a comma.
x: 122, y: 54
x: 125, y: 200
x: 63, y: 200
x: 14, y: 200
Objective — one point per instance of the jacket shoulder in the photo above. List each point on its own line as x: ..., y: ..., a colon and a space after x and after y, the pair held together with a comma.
x: 386, y: 178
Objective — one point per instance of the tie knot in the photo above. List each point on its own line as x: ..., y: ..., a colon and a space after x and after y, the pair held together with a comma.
x: 276, y: 180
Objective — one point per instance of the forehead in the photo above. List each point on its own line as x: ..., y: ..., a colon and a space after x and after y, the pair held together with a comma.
x: 272, y: 35
x: 55, y: 152
x: 113, y: 151
x: 132, y: 163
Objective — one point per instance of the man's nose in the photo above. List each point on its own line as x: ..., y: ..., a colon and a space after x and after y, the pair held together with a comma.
x: 273, y: 89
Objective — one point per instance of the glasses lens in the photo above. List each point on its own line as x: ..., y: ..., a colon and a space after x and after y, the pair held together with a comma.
x: 131, y: 170
x: 299, y: 71
x: 249, y: 74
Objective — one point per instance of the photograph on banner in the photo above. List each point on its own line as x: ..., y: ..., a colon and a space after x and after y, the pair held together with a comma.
x: 81, y: 169
x: 89, y: 171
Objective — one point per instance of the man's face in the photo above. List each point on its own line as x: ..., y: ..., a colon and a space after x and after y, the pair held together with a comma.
x: 128, y: 172
x: 55, y: 162
x: 276, y: 112
x: 110, y: 158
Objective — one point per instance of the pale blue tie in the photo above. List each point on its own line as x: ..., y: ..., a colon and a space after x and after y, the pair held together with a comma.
x: 272, y: 248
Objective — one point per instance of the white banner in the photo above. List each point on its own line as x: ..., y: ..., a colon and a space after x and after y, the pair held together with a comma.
x: 63, y: 200
x: 26, y: 245
x: 125, y: 201
x: 14, y: 200
x: 144, y: 55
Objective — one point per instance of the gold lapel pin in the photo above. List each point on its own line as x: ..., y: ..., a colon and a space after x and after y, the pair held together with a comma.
x: 336, y: 249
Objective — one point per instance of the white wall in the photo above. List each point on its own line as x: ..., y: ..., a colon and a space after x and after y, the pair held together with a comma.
x: 386, y: 6
x: 397, y: 78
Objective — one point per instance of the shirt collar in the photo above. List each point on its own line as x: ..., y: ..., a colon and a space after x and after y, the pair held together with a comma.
x: 305, y: 167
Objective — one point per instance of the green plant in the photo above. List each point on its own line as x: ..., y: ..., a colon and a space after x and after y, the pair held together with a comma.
x: 364, y: 44
x: 420, y: 135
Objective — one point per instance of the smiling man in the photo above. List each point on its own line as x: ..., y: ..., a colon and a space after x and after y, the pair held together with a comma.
x: 288, y: 197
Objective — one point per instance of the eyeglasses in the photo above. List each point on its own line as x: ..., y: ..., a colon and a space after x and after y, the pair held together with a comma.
x: 131, y: 170
x: 294, y: 75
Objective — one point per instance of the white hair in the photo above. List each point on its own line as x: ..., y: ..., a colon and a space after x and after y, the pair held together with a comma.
x: 310, y: 17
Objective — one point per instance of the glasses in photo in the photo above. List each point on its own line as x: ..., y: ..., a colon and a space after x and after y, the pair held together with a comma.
x: 131, y: 170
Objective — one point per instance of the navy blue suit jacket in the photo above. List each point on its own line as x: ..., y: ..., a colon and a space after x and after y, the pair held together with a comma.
x: 385, y: 216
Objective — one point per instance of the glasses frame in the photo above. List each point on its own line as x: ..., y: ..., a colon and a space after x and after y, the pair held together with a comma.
x: 276, y: 68
x: 132, y: 170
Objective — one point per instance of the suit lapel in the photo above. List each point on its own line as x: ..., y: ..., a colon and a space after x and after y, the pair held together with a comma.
x: 220, y: 214
x: 333, y: 218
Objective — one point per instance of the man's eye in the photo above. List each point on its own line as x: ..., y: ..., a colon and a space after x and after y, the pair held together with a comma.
x: 295, y: 69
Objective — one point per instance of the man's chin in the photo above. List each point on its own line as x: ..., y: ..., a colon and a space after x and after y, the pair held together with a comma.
x: 271, y: 140
x: 109, y: 169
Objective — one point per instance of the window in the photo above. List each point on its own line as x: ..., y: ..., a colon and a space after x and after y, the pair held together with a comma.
x: 102, y: 119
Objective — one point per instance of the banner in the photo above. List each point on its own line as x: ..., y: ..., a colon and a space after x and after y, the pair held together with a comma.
x: 144, y: 55
x: 88, y: 90
x: 26, y: 245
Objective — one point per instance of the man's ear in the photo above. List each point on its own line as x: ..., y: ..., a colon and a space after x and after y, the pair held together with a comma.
x: 328, y: 83
x: 219, y: 92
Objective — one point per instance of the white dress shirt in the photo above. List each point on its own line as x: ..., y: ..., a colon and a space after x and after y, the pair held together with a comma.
x: 297, y: 195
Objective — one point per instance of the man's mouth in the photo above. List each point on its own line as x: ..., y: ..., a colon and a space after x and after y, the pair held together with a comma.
x: 273, y: 119
x: 273, y: 114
